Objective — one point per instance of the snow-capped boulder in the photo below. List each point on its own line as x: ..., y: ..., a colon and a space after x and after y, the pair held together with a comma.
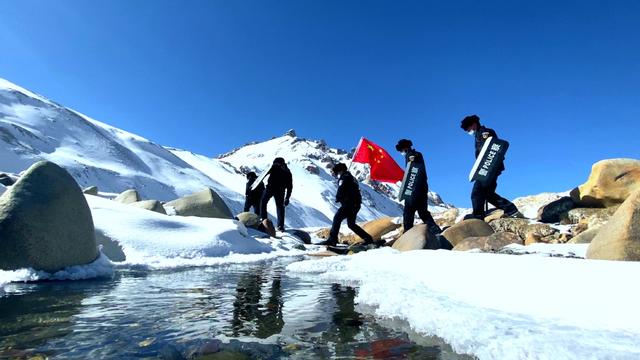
x: 619, y: 239
x: 151, y: 205
x: 491, y: 243
x: 552, y: 212
x: 610, y: 183
x: 128, y: 197
x: 91, y: 190
x: 45, y: 222
x: 466, y: 229
x: 206, y: 203
x: 249, y: 219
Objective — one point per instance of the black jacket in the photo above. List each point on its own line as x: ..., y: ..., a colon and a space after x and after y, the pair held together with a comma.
x: 255, y: 194
x: 280, y: 179
x: 418, y: 160
x: 348, y: 191
x: 481, y: 135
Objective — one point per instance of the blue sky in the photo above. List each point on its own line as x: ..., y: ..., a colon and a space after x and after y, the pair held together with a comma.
x: 558, y: 79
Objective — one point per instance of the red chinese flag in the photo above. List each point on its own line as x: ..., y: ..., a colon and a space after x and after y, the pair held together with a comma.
x: 383, y: 167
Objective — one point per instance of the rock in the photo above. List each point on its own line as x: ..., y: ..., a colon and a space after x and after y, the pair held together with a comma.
x: 558, y: 238
x: 494, y: 215
x: 376, y: 228
x: 300, y: 234
x: 540, y: 230
x: 585, y: 237
x: 417, y: 238
x: 515, y: 226
x: 611, y: 182
x: 466, y: 229
x: 45, y: 222
x: 447, y: 218
x: 579, y: 229
x: 110, y: 247
x: 532, y: 239
x: 151, y: 205
x: 491, y: 243
x: 205, y: 203
x: 552, y: 212
x: 249, y: 219
x: 593, y: 217
x: 312, y: 169
x: 91, y: 190
x: 128, y: 197
x: 267, y: 227
x: 290, y: 132
x: 619, y: 238
x: 323, y: 233
x: 6, y: 179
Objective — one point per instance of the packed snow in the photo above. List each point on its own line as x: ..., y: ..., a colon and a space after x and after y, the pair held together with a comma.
x: 499, y: 306
x: 160, y: 241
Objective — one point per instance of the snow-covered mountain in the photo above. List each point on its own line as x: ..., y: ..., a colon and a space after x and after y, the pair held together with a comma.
x: 33, y: 128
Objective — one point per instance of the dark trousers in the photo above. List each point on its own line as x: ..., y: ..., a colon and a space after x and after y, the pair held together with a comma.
x: 278, y: 196
x: 349, y: 212
x: 254, y: 203
x: 487, y: 193
x: 421, y: 205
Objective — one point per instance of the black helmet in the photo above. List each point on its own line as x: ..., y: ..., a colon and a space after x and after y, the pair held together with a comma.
x: 468, y: 121
x: 339, y: 167
x: 251, y: 175
x: 404, y: 144
x: 279, y: 161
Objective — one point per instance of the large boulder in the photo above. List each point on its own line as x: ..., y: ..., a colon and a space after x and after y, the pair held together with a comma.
x: 205, y: 203
x: 376, y: 228
x: 611, y: 182
x: 447, y: 218
x: 466, y: 229
x: 491, y: 243
x: 45, y: 222
x: 417, y: 238
x: 585, y: 237
x: 552, y: 212
x: 151, y: 205
x: 494, y: 215
x: 128, y: 197
x: 619, y: 239
x: 91, y: 190
x: 249, y: 219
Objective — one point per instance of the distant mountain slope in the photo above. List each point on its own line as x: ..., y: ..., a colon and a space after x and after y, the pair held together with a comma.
x: 33, y: 128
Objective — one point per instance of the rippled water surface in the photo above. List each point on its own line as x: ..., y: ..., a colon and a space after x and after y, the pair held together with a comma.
x: 248, y: 311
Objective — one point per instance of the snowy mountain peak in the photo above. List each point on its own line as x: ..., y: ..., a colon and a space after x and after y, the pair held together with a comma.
x: 33, y: 128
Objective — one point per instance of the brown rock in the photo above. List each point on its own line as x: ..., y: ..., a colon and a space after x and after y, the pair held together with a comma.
x: 417, y: 238
x: 590, y: 216
x: 466, y: 229
x: 532, y: 239
x: 585, y: 237
x: 611, y: 182
x: 619, y: 239
x: 495, y: 215
x: 206, y: 203
x: 376, y: 228
x: 323, y: 233
x: 491, y: 243
x: 267, y: 227
x: 128, y: 197
x: 540, y: 230
x: 151, y: 205
x: 447, y: 218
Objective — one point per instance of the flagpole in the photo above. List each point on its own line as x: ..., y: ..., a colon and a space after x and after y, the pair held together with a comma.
x: 355, y: 152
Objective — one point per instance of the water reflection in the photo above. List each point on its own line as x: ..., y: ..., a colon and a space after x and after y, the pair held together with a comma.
x: 256, y: 310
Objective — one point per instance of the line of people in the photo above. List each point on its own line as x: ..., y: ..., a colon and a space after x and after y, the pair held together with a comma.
x: 280, y: 185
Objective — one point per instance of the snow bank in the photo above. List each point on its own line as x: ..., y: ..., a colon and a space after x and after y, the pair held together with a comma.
x: 161, y: 241
x: 101, y: 267
x: 499, y: 306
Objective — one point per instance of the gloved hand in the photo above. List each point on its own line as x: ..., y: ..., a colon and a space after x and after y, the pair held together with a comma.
x: 286, y: 202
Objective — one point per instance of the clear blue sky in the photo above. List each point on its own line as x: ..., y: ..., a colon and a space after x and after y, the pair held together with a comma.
x: 559, y: 79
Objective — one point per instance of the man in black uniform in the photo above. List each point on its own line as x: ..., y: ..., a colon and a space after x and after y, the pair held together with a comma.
x: 419, y: 200
x: 486, y: 193
x: 279, y: 187
x: 350, y: 199
x: 252, y: 198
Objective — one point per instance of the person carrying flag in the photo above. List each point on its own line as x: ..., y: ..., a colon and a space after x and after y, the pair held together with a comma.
x: 419, y: 200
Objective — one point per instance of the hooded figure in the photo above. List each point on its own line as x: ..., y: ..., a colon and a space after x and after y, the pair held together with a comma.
x: 252, y: 198
x: 279, y: 187
x: 419, y: 200
x: 481, y: 194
